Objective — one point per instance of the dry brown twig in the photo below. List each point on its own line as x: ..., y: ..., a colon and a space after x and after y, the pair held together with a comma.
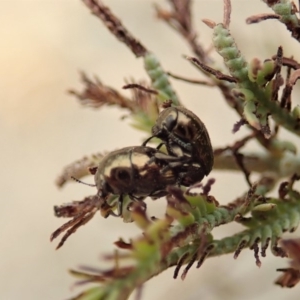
x: 219, y: 75
x: 286, y: 101
x: 140, y: 87
x: 97, y: 94
x: 189, y: 80
x: 239, y: 157
x: 81, y: 213
x: 227, y: 13
x: 290, y: 276
x: 115, y: 26
x: 78, y: 169
x: 261, y: 17
x: 180, y: 19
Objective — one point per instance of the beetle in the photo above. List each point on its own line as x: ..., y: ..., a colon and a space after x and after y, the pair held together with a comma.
x: 134, y: 171
x: 186, y: 138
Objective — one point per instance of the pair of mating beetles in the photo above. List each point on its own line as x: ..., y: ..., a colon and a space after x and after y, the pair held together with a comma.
x: 142, y: 171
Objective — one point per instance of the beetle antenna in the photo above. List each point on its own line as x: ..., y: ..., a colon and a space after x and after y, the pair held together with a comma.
x: 77, y: 180
x: 147, y: 140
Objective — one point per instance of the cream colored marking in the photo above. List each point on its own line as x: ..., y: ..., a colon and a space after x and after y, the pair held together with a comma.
x: 139, y: 159
x: 99, y: 179
x: 183, y: 119
x: 169, y: 174
x: 173, y: 114
x: 196, y: 165
x: 119, y: 161
x: 142, y: 173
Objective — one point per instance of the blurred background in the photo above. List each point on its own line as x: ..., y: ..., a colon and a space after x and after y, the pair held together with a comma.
x: 44, y: 44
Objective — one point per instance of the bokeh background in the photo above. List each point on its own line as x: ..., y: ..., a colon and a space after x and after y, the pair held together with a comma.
x: 43, y: 45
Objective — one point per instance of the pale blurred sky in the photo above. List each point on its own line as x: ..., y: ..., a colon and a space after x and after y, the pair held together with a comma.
x: 43, y: 46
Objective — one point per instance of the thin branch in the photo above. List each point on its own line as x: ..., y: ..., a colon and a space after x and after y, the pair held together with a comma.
x: 115, y: 26
x: 289, y: 62
x: 219, y: 75
x: 287, y: 92
x: 140, y: 87
x: 261, y: 17
x: 78, y: 169
x: 227, y: 13
x: 260, y: 163
x: 180, y: 19
x: 96, y: 94
x: 193, y: 81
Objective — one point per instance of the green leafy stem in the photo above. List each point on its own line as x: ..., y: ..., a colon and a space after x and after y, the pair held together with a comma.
x: 184, y: 237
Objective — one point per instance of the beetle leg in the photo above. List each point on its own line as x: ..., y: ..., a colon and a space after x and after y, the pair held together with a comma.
x: 171, y: 165
x: 120, y: 206
x: 179, y: 142
x: 174, y: 162
x: 113, y: 214
x: 160, y: 145
x: 167, y: 157
x: 176, y: 140
x: 139, y: 200
x: 147, y: 140
x: 162, y: 156
x: 158, y: 194
x: 181, y: 175
x: 151, y: 137
x: 135, y: 198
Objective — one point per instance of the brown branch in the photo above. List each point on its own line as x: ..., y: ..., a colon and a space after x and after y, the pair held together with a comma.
x: 261, y: 17
x: 78, y: 169
x: 194, y: 81
x: 115, y: 26
x: 97, y: 94
x: 290, y: 276
x: 289, y: 62
x: 180, y: 19
x: 287, y: 91
x: 238, y: 125
x: 278, y: 80
x: 239, y: 157
x: 140, y: 87
x: 219, y: 75
x: 227, y: 13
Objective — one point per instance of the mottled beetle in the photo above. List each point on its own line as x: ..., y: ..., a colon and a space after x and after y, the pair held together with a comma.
x: 186, y: 139
x: 134, y: 171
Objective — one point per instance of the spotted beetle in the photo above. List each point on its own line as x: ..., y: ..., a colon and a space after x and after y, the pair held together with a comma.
x: 187, y: 139
x: 136, y: 172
